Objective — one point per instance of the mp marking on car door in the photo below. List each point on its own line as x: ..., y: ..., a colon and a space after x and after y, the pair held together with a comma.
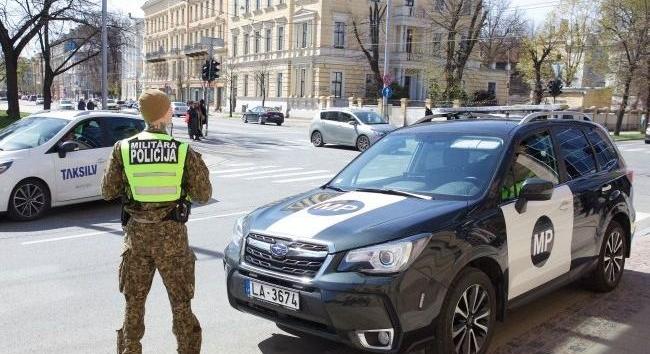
x: 539, y: 241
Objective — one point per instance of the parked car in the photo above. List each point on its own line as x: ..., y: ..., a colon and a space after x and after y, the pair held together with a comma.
x: 647, y: 135
x: 32, y: 98
x: 3, y: 98
x: 263, y: 115
x: 179, y: 109
x: 57, y: 158
x: 352, y: 127
x: 66, y: 105
x: 112, y: 105
x: 40, y: 100
x: 431, y: 235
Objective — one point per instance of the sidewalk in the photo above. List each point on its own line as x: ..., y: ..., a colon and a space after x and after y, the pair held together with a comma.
x: 617, y: 322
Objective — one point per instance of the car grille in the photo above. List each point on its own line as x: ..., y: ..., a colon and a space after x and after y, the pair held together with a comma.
x: 305, y: 259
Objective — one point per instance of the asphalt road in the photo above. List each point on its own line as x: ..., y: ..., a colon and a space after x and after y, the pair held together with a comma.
x: 58, y: 275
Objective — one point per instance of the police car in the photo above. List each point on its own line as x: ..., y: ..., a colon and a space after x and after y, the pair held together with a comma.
x: 56, y: 158
x: 432, y: 234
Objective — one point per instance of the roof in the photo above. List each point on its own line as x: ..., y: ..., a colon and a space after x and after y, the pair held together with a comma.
x: 496, y: 127
x: 72, y: 115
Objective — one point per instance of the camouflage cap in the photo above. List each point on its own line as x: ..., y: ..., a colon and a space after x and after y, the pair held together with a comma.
x: 154, y: 104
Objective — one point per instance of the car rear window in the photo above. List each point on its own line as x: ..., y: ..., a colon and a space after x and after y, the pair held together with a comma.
x: 605, y: 152
x: 577, y: 154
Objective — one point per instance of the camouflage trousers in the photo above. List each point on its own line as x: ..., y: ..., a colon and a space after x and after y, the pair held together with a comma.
x: 163, y: 246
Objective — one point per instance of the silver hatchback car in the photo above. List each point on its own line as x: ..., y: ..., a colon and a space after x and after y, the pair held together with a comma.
x: 352, y: 127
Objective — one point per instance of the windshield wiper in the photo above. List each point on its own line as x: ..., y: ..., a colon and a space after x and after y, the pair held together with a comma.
x: 335, y: 188
x: 394, y: 192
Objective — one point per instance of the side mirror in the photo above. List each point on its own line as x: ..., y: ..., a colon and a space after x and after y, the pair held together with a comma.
x: 353, y: 122
x: 66, y: 147
x: 533, y: 189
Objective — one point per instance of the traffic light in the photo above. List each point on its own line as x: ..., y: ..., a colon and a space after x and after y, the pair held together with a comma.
x: 214, y: 70
x: 205, y: 70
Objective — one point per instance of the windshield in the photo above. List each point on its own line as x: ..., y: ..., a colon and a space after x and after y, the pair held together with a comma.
x: 29, y: 133
x: 438, y: 165
x: 370, y: 117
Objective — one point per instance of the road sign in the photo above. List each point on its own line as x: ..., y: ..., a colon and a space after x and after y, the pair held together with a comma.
x: 387, y: 92
x: 388, y: 79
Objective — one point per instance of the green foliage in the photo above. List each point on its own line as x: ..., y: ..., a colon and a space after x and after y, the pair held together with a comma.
x: 399, y: 91
x: 484, y: 98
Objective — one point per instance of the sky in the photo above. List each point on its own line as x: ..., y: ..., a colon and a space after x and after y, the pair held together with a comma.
x: 534, y: 9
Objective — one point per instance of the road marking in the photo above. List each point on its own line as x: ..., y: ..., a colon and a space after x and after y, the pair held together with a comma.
x: 287, y: 175
x: 641, y: 216
x: 241, y: 169
x: 304, y: 179
x: 262, y: 172
x: 63, y: 238
x: 240, y: 164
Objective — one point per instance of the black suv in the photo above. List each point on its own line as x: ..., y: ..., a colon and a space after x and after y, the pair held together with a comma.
x: 428, y: 237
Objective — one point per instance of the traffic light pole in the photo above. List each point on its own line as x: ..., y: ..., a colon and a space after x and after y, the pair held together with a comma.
x: 207, y: 97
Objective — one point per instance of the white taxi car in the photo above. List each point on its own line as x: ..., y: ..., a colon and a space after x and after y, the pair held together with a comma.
x: 56, y: 158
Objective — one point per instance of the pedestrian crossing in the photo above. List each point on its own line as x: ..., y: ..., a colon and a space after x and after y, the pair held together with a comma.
x: 271, y: 173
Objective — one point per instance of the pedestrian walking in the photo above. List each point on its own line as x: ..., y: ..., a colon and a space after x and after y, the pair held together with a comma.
x: 156, y: 177
x: 194, y: 126
x: 91, y: 105
x: 81, y: 106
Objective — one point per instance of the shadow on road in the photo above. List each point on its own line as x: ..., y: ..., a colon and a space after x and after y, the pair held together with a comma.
x: 570, y: 320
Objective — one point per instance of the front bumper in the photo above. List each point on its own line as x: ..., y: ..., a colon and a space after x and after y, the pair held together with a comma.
x: 349, y: 308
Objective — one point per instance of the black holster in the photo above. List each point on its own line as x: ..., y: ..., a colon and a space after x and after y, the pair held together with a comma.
x: 182, y: 211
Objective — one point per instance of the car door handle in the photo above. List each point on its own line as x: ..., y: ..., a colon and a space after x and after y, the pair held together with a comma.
x: 606, y: 188
x: 565, y: 205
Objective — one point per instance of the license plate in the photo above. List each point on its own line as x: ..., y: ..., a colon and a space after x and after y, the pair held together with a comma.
x: 273, y: 294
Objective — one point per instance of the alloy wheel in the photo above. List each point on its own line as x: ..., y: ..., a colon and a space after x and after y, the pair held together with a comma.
x: 614, y: 258
x: 29, y: 200
x: 363, y: 143
x: 469, y: 328
x: 316, y: 139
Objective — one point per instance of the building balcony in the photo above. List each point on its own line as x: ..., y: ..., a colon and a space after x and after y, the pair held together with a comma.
x: 155, y: 56
x: 410, y: 16
x: 195, y: 50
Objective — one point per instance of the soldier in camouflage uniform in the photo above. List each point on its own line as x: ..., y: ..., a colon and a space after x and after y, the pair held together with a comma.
x: 153, y: 241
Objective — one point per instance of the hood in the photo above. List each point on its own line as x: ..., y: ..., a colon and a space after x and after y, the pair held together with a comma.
x: 14, y: 155
x: 352, y: 219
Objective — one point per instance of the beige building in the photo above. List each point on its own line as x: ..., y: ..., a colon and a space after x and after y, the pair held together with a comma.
x: 173, y: 47
x: 306, y: 49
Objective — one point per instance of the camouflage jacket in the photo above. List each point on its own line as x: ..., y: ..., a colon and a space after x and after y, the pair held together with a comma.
x: 196, y: 183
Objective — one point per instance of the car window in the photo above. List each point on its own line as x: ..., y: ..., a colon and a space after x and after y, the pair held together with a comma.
x: 87, y: 135
x: 345, y: 117
x: 534, y: 157
x: 30, y: 132
x: 605, y: 152
x: 331, y: 116
x: 577, y: 153
x: 122, y: 128
x: 442, y: 165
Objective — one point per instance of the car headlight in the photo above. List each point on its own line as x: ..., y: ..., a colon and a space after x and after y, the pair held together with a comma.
x: 4, y: 166
x: 238, y: 231
x: 647, y: 131
x: 386, y: 258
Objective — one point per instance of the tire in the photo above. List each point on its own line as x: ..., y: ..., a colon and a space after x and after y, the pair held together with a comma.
x: 245, y: 119
x: 611, y: 260
x: 363, y: 143
x: 452, y: 332
x: 262, y: 122
x: 29, y: 200
x: 317, y: 139
x: 279, y: 124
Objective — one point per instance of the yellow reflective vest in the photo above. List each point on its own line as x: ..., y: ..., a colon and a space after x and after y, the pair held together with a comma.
x: 154, y: 165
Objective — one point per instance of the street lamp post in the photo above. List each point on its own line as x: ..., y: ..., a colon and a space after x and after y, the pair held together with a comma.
x: 104, y: 55
x: 389, y: 5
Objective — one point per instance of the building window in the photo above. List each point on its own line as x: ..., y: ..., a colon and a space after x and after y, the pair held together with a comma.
x: 339, y: 35
x: 267, y: 40
x: 304, y: 35
x: 437, y: 41
x: 280, y: 38
x: 439, y: 5
x: 245, y: 85
x: 246, y: 44
x: 337, y: 84
x: 234, y: 45
x: 303, y: 74
x: 247, y: 8
x: 258, y: 4
x: 409, y: 40
x: 257, y: 41
x: 269, y: 3
x: 236, y: 9
x: 467, y: 7
x: 492, y: 87
x: 279, y: 85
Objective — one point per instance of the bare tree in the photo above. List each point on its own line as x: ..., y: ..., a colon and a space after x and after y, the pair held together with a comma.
x: 371, y: 50
x: 535, y: 61
x: 262, y: 76
x: 20, y: 21
x: 627, y: 23
x: 463, y: 22
x: 502, y: 32
x: 228, y: 75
